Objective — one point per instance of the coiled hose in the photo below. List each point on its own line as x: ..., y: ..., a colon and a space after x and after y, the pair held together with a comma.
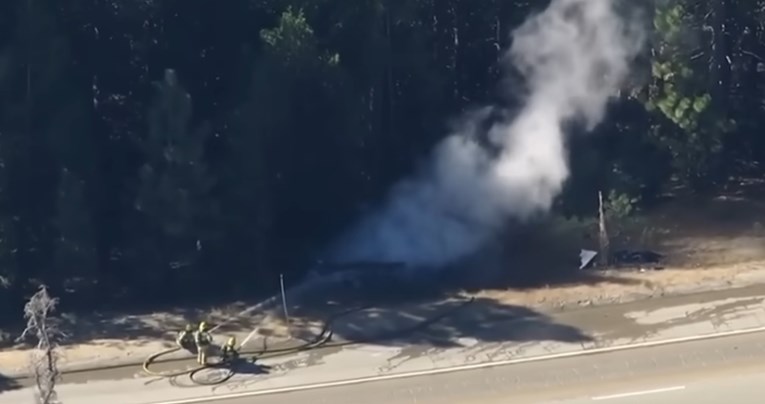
x: 324, y: 335
x: 322, y: 340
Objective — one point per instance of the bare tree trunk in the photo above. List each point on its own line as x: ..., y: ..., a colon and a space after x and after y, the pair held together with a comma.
x: 605, y: 252
x: 44, y: 359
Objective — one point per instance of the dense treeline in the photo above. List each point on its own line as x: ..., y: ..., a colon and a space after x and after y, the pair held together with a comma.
x: 198, y: 145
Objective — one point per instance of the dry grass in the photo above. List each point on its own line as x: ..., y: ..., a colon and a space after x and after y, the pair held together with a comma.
x: 646, y: 285
x: 707, y: 243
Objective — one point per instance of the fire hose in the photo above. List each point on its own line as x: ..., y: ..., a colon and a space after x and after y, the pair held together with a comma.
x: 322, y: 340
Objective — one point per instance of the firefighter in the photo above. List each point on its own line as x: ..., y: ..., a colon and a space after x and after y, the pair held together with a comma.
x: 228, y: 351
x: 202, y: 339
x: 185, y: 337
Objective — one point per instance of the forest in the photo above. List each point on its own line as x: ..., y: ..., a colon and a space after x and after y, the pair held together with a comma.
x: 172, y: 149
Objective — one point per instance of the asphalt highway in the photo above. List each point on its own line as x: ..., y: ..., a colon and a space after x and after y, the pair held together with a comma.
x: 713, y: 371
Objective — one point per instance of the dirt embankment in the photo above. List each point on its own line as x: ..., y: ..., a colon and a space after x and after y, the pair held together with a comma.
x: 707, y: 243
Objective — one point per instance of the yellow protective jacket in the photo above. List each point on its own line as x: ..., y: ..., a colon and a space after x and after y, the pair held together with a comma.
x: 183, y: 337
x: 202, y: 338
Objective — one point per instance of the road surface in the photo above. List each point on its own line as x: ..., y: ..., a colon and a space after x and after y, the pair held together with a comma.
x: 480, y: 337
x: 723, y: 370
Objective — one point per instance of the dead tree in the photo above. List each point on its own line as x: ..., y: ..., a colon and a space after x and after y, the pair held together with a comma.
x: 603, y: 239
x: 43, y: 359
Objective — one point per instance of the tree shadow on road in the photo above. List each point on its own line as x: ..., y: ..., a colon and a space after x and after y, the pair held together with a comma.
x: 445, y: 322
x: 7, y: 384
x: 112, y: 330
x: 397, y: 297
x: 430, y: 309
x: 442, y: 330
x: 141, y: 328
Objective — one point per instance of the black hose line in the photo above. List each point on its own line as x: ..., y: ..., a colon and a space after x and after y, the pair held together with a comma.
x: 322, y: 340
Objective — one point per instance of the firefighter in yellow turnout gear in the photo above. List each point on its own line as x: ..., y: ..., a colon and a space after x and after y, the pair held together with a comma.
x: 228, y: 351
x: 202, y: 339
x: 185, y: 337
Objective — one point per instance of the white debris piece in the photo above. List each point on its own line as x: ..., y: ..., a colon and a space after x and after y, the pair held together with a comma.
x: 585, y: 257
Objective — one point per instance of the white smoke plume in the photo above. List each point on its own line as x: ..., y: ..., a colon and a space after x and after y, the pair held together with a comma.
x: 574, y: 55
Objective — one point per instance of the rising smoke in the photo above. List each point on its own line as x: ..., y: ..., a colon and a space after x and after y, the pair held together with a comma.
x: 574, y: 56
